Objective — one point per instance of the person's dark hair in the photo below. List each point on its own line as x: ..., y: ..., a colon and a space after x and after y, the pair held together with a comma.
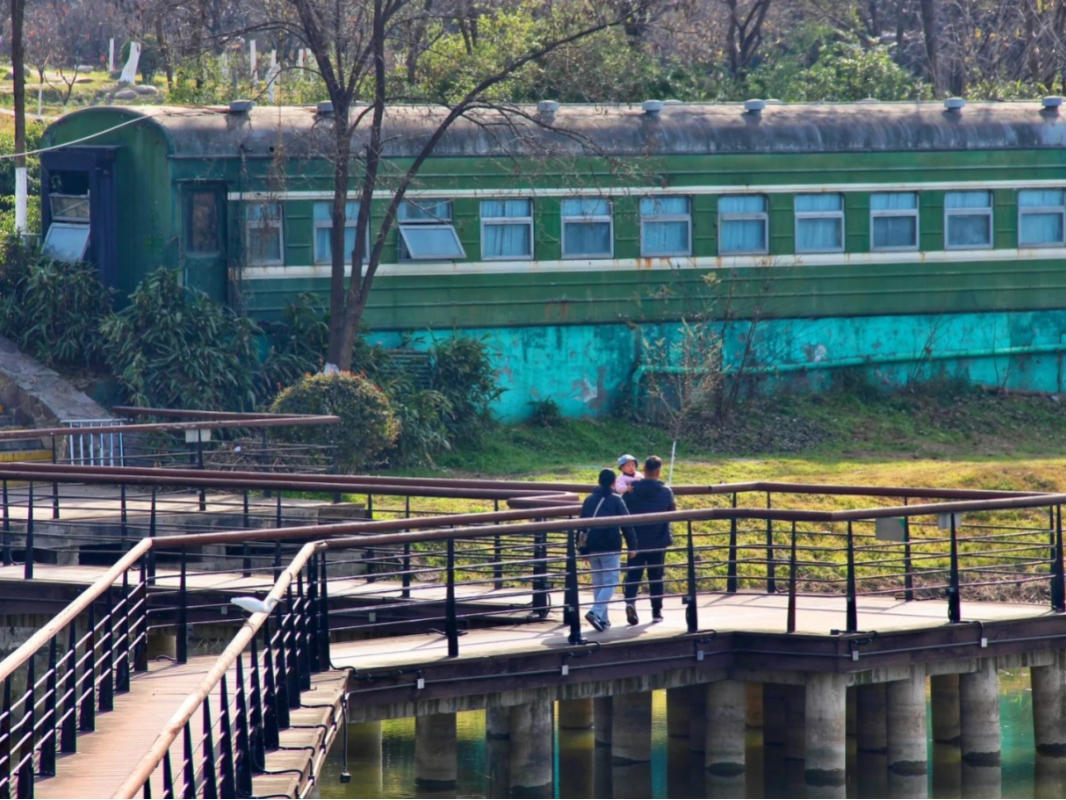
x: 652, y: 464
x: 607, y: 478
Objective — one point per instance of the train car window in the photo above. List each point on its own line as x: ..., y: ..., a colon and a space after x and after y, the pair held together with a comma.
x: 743, y: 224
x: 506, y: 229
x: 201, y: 222
x: 819, y: 223
x: 263, y: 233
x: 665, y: 226
x: 323, y: 219
x: 1041, y: 217
x: 894, y: 221
x: 66, y: 241
x: 426, y: 231
x: 588, y: 228
x: 967, y: 220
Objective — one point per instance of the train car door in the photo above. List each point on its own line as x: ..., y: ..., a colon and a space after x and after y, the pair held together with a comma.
x: 204, y: 234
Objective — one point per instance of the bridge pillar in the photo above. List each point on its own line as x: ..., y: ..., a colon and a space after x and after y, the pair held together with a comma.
x: 774, y: 713
x: 697, y: 718
x: 753, y: 712
x: 871, y: 728
x: 678, y: 713
x: 979, y: 715
x: 436, y: 767
x: 908, y: 749
x: 944, y: 692
x: 603, y: 712
x: 826, y: 733
x: 577, y: 758
x: 532, y: 749
x: 1049, y: 707
x: 498, y: 750
x: 631, y: 728
x: 576, y: 715
x: 852, y: 710
x: 726, y: 705
x: 364, y: 751
x: 795, y: 722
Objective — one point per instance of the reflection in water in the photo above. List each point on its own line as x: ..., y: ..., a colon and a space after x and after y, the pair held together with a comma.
x: 381, y: 762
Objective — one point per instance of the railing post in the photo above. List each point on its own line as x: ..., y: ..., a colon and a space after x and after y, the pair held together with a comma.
x: 228, y: 784
x: 540, y: 601
x: 27, y: 728
x: 263, y: 711
x: 573, y: 598
x: 451, y: 624
x: 771, y: 570
x: 123, y: 516
x: 323, y: 613
x: 1058, y: 581
x: 310, y: 617
x: 301, y: 678
x: 188, y: 765
x: 406, y: 578
x: 5, y: 545
x: 692, y: 619
x: 151, y: 552
x: 140, y: 649
x: 790, y: 626
x: 68, y: 736
x: 210, y: 786
x: 168, y: 776
x: 6, y: 748
x: 182, y: 644
x: 246, y: 552
x: 200, y: 463
x: 908, y: 567
x: 731, y: 569
x: 243, y: 765
x: 88, y: 677
x: 852, y: 621
x: 122, y: 678
x: 107, y: 671
x: 954, y: 601
x: 27, y: 568
x: 51, y: 711
x: 497, y: 555
x: 55, y: 484
x: 280, y: 678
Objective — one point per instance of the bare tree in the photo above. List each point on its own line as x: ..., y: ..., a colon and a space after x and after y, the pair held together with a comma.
x: 745, y: 32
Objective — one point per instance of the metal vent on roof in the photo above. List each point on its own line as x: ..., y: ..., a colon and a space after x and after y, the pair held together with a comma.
x: 754, y: 106
x: 325, y: 109
x: 1052, y: 102
x: 547, y: 106
x: 241, y: 106
x: 653, y: 107
x: 955, y: 103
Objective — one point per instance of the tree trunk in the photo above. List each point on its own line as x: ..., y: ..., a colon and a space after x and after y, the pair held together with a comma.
x: 928, y: 11
x: 18, y: 65
x: 341, y: 169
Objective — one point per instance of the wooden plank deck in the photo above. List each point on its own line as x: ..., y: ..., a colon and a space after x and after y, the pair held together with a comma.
x: 107, y: 756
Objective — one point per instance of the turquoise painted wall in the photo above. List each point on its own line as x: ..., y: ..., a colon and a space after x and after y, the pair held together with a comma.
x: 588, y: 369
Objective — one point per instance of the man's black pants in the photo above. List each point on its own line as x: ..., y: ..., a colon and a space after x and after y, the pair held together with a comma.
x: 652, y: 561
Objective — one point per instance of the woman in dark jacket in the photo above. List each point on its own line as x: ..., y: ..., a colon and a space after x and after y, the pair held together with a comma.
x: 604, y: 547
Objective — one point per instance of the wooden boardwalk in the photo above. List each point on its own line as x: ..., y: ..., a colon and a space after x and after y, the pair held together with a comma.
x: 106, y: 757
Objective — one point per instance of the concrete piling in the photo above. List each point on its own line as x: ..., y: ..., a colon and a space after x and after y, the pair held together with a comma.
x: 774, y: 713
x: 726, y: 705
x: 436, y: 767
x: 697, y: 718
x: 1049, y: 707
x: 944, y: 692
x: 979, y: 715
x: 826, y: 733
x: 498, y: 750
x: 871, y: 724
x: 908, y: 752
x: 603, y: 714
x: 678, y: 712
x: 631, y: 728
x: 576, y: 715
x: 754, y: 712
x: 796, y: 722
x: 532, y: 749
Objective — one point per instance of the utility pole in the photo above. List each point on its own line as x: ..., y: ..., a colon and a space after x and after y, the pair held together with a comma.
x: 18, y: 67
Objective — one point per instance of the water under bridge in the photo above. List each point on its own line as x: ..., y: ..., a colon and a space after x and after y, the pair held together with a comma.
x: 790, y: 605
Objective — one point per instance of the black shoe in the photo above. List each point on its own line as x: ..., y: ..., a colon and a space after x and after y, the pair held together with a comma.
x: 606, y: 624
x: 631, y: 614
x: 657, y: 615
x: 594, y: 621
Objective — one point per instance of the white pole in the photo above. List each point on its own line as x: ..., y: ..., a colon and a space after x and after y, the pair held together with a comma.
x: 252, y: 60
x: 673, y: 452
x: 300, y: 58
x: 21, y: 199
x: 111, y: 55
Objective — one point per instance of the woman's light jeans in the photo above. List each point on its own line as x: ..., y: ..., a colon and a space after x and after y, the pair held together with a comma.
x: 605, y: 568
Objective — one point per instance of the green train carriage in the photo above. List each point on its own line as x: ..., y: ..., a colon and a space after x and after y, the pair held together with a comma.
x: 903, y: 237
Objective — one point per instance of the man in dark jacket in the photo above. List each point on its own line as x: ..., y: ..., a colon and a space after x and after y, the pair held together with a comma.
x: 603, y: 546
x: 648, y: 496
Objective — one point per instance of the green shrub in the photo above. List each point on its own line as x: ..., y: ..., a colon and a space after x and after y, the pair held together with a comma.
x: 462, y: 372
x: 368, y: 426
x: 546, y: 414
x: 173, y: 347
x: 52, y: 309
x: 297, y: 345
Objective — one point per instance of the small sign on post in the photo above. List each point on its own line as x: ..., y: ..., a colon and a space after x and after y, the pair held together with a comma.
x: 195, y: 435
x: 943, y: 521
x: 890, y: 529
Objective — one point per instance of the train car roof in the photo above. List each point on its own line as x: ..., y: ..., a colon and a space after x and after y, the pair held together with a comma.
x: 618, y: 130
